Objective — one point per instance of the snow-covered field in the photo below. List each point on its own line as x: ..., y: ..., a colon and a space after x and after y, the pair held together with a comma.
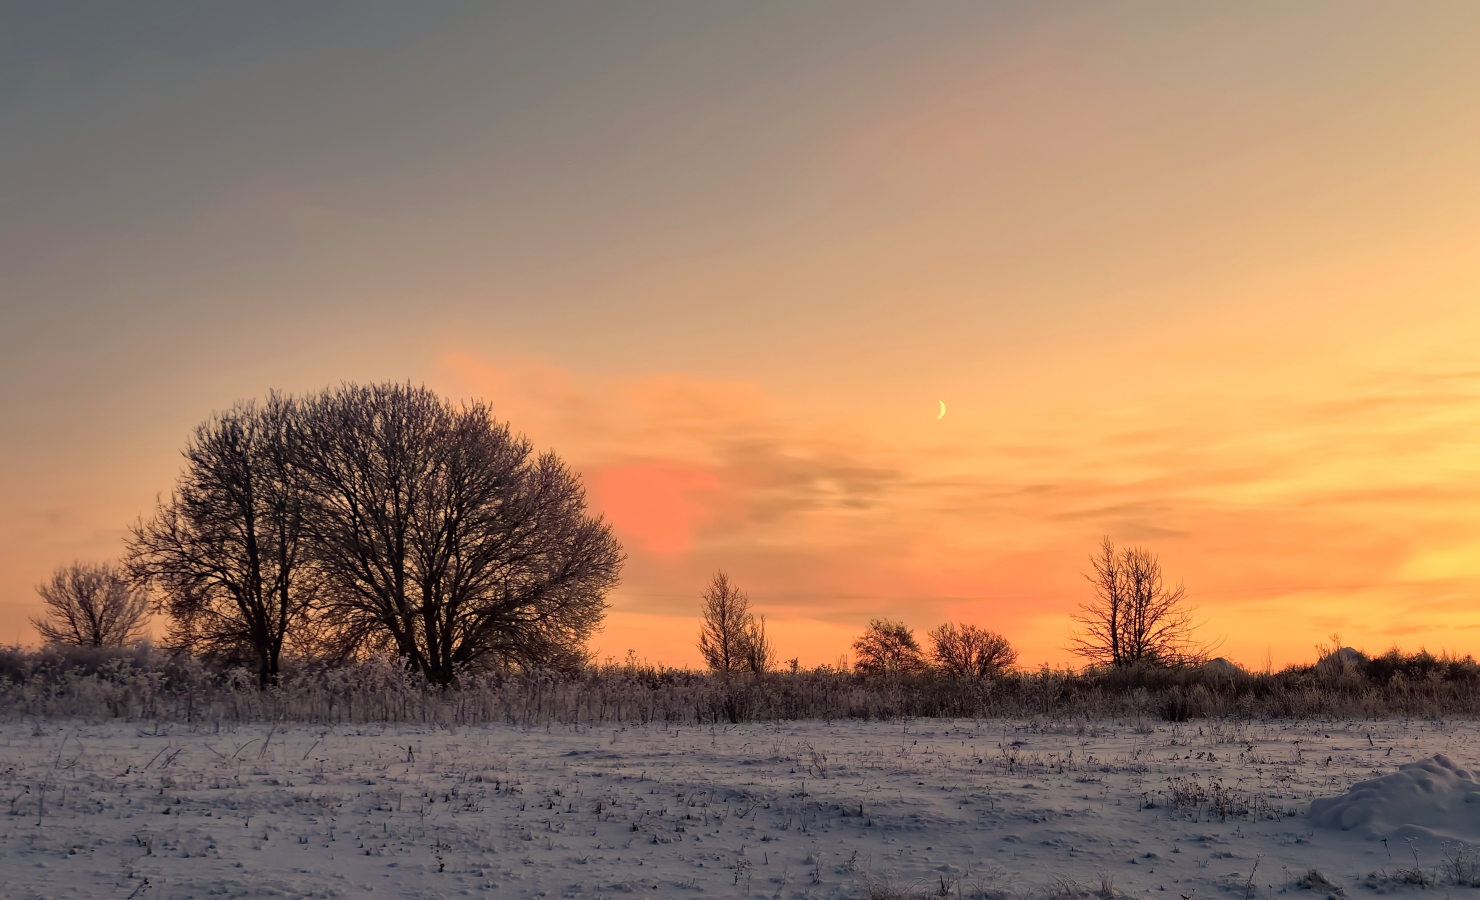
x: 976, y: 808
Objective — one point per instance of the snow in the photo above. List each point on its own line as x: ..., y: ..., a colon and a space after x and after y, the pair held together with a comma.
x: 1434, y: 799
x: 1342, y: 661
x: 809, y: 809
x: 1224, y: 665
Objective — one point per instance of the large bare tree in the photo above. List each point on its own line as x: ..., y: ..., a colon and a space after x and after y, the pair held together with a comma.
x: 227, y: 552
x: 1135, y: 617
x: 731, y: 637
x: 91, y: 605
x: 442, y: 538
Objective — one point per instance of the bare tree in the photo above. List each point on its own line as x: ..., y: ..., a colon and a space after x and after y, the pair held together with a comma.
x: 227, y: 551
x: 966, y: 651
x: 441, y: 538
x: 1101, y: 619
x: 1135, y: 618
x: 91, y: 605
x: 762, y: 655
x: 888, y: 648
x: 731, y: 637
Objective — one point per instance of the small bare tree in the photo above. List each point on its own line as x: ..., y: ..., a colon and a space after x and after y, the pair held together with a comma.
x: 966, y: 651
x: 888, y: 648
x: 1135, y: 618
x: 731, y: 637
x: 762, y: 655
x: 91, y: 606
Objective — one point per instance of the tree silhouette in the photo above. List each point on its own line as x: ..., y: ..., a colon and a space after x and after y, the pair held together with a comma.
x: 966, y: 651
x: 228, y: 550
x: 888, y: 648
x: 1135, y: 618
x: 441, y: 537
x: 89, y: 605
x: 731, y: 637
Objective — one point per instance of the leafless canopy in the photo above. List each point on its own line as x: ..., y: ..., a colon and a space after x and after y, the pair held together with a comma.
x: 731, y: 637
x: 91, y: 606
x: 966, y: 651
x: 441, y: 538
x: 228, y: 551
x: 888, y: 648
x: 1134, y: 618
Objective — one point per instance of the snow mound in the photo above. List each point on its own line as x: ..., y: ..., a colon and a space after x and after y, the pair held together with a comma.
x: 1345, y: 661
x: 1223, y: 666
x: 1432, y: 798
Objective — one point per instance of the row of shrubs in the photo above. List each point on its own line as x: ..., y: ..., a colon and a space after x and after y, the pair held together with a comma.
x: 144, y: 683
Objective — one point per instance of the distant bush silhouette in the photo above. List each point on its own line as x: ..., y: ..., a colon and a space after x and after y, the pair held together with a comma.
x: 888, y: 648
x: 966, y: 651
x: 144, y: 684
x: 90, y: 605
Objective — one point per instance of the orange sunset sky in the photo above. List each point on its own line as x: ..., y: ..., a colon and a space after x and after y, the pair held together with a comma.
x: 1202, y: 277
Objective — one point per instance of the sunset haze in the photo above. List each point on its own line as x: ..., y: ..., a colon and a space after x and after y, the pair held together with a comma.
x: 1200, y: 279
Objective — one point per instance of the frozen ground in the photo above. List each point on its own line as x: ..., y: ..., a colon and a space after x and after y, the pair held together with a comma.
x: 792, y: 810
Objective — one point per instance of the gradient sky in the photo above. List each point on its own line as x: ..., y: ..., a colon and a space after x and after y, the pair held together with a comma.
x: 1200, y: 277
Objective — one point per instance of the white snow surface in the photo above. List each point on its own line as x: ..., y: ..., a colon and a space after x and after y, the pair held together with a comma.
x: 1432, y: 798
x: 809, y: 809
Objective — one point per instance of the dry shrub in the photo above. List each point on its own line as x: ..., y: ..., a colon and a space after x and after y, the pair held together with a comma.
x: 142, y: 683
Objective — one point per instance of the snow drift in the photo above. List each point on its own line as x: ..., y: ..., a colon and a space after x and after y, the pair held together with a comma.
x: 1431, y: 798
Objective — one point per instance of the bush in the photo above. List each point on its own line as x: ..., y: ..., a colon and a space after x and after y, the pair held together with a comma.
x: 144, y: 683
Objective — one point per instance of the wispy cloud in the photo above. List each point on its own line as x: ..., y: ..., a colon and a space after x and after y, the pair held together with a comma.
x: 1278, y: 505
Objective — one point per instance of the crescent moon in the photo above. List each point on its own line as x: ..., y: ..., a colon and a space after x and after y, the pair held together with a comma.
x: 942, y: 409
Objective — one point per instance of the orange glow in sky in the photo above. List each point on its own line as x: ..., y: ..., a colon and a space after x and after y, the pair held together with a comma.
x: 654, y: 504
x: 1199, y: 279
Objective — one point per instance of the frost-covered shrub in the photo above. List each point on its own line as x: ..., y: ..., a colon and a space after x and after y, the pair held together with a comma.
x: 144, y: 683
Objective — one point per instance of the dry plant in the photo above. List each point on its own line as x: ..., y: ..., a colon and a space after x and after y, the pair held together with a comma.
x: 1459, y: 866
x: 1313, y: 880
x: 813, y: 759
x: 1414, y: 875
x: 888, y: 889
x: 141, y: 683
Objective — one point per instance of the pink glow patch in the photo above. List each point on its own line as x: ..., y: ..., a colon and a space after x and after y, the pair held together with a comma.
x: 657, y: 505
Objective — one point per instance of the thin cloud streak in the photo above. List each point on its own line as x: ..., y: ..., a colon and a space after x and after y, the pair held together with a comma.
x: 837, y: 522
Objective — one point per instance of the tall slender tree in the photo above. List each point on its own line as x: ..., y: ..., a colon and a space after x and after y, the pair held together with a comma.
x: 442, y: 538
x: 731, y: 637
x: 226, y: 553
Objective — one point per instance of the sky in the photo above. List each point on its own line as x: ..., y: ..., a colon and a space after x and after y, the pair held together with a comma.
x: 1197, y: 277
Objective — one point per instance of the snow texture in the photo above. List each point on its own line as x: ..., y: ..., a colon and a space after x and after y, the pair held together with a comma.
x: 1433, y: 799
x: 789, y: 810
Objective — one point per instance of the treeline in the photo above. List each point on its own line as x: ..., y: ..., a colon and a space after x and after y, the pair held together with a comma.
x: 361, y: 520
x: 385, y: 544
x: 146, y: 684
